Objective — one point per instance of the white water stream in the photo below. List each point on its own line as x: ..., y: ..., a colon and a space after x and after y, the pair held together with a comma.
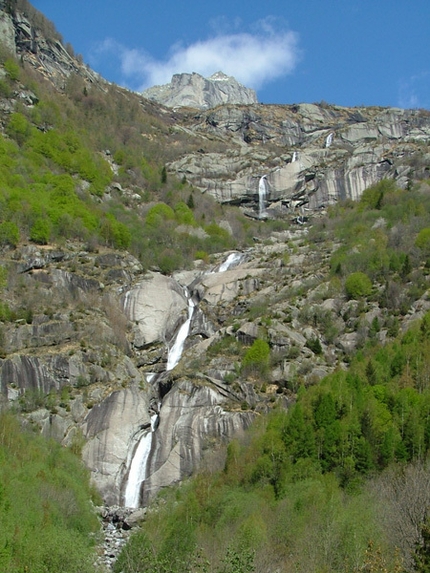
x: 329, y: 140
x: 137, y: 473
x: 230, y: 261
x: 175, y: 352
x: 262, y: 192
x: 138, y: 467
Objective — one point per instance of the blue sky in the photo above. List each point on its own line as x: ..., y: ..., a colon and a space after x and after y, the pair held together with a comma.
x: 345, y: 52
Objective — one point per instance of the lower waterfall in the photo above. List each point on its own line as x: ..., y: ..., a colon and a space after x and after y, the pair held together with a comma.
x: 137, y: 473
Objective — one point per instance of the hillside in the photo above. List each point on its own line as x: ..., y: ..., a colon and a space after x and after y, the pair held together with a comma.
x: 176, y: 280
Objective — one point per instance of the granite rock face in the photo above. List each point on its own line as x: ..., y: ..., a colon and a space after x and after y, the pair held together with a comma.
x: 112, y: 429
x: 157, y: 305
x: 24, y: 38
x: 193, y: 90
x: 192, y: 420
x: 310, y: 155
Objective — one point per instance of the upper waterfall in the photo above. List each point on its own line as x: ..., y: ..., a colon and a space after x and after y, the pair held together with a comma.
x: 262, y: 193
x: 175, y: 352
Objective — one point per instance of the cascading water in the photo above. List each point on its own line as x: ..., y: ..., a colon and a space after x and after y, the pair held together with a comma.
x: 175, y: 352
x: 295, y: 157
x: 137, y: 473
x: 262, y: 193
x: 231, y: 261
x: 329, y: 140
x: 138, y: 467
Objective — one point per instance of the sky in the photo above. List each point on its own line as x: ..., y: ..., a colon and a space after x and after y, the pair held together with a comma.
x: 344, y: 52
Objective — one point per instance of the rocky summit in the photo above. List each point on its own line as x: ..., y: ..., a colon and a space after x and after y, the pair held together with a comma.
x: 193, y: 90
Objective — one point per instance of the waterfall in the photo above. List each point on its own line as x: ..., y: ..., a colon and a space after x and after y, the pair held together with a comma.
x: 329, y: 140
x: 231, y: 261
x: 175, y: 352
x: 137, y: 473
x: 139, y: 463
x: 262, y: 192
x: 295, y: 157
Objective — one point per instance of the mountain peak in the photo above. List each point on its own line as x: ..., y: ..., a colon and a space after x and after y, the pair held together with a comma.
x: 193, y: 90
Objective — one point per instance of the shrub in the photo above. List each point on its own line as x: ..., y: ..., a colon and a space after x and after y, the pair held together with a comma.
x: 158, y: 214
x: 314, y: 344
x: 256, y: 359
x: 40, y: 232
x: 12, y: 69
x: 184, y: 215
x: 18, y: 127
x: 423, y: 240
x: 358, y: 285
x: 372, y: 197
x: 9, y: 234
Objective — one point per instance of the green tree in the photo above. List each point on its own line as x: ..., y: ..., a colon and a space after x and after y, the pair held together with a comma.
x: 163, y: 175
x: 18, y: 127
x: 9, y: 233
x: 422, y: 551
x: 12, y: 69
x: 40, y: 232
x: 256, y: 359
x: 423, y: 240
x: 358, y: 285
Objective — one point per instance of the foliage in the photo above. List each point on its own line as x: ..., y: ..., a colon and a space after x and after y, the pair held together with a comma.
x: 40, y: 232
x: 423, y: 240
x: 320, y: 487
x: 358, y: 285
x: 422, y: 553
x: 9, y: 234
x: 12, y: 69
x: 256, y: 358
x: 47, y: 521
x: 373, y: 197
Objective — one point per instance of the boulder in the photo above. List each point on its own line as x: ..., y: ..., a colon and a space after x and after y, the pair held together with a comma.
x: 158, y: 306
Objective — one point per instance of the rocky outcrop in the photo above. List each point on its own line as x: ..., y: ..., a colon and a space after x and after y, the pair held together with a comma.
x: 193, y: 90
x: 156, y: 305
x: 25, y: 35
x: 193, y: 419
x: 310, y: 155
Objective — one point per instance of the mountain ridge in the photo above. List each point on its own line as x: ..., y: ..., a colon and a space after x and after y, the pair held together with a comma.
x: 193, y: 90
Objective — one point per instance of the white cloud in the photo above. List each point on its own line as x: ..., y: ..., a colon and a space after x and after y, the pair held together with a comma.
x: 413, y: 92
x: 253, y: 59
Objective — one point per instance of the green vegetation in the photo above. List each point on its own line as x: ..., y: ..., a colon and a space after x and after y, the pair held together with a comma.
x: 58, y: 180
x: 321, y: 487
x: 358, y: 285
x: 385, y: 237
x: 256, y: 359
x: 309, y: 488
x: 47, y: 524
